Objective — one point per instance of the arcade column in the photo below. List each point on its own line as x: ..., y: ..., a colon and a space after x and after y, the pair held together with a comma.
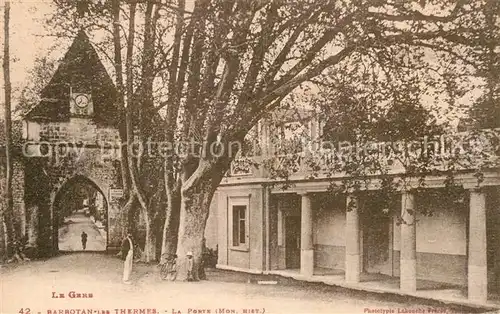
x: 408, y: 260
x: 306, y: 237
x: 352, y: 244
x: 477, y: 264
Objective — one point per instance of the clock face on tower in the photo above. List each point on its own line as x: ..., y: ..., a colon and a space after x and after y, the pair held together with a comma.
x: 81, y: 104
x: 82, y: 100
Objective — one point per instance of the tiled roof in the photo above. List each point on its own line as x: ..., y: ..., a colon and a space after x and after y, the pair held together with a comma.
x: 81, y: 70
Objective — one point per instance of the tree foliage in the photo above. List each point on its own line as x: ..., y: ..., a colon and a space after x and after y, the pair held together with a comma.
x: 486, y: 112
x: 38, y: 77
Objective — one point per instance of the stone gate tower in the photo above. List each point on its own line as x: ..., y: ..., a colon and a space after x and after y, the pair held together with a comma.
x: 71, y: 135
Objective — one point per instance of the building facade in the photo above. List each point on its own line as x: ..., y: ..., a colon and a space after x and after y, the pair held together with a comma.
x: 262, y: 226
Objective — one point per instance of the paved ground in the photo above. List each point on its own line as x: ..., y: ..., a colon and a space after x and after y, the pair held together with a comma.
x: 33, y: 284
x: 70, y: 234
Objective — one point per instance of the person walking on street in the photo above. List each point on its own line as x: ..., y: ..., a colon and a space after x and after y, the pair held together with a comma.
x: 84, y: 240
x: 128, y: 256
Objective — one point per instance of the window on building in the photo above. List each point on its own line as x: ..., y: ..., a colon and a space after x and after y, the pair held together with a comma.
x: 239, y: 225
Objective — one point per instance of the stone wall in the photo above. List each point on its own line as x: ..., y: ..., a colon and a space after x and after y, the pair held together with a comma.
x: 250, y: 254
x: 329, y: 235
x: 17, y: 195
x: 77, y: 129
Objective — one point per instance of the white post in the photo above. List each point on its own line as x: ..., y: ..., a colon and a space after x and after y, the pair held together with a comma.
x: 477, y: 265
x: 306, y: 237
x: 352, y: 245
x: 408, y: 261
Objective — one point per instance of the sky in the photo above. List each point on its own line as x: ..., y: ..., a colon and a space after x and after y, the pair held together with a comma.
x: 28, y: 38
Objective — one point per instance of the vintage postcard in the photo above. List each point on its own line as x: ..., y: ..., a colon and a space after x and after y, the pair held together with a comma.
x: 249, y: 156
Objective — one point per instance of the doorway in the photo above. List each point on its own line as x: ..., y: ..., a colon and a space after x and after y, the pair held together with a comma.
x: 377, y: 243
x: 292, y: 241
x: 378, y: 232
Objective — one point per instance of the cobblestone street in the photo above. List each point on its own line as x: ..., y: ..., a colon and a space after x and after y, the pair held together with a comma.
x: 40, y: 285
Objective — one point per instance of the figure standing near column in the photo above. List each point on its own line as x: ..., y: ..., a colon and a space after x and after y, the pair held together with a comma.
x: 128, y: 256
x: 84, y: 240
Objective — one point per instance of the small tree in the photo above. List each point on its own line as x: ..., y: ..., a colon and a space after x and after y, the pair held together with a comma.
x: 7, y: 206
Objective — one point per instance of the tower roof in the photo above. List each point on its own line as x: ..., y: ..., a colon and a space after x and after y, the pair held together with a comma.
x: 80, y: 70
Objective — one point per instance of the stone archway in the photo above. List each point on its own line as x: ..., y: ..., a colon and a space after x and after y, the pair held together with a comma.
x: 102, y: 175
x: 45, y: 183
x: 80, y: 206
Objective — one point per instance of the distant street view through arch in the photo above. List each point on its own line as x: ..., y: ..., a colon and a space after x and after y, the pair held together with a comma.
x: 80, y: 214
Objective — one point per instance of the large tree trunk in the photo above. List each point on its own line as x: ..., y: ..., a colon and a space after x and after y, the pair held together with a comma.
x: 5, y: 239
x: 8, y: 206
x: 32, y: 230
x: 171, y: 226
x: 9, y: 231
x: 149, y: 253
x: 194, y: 210
x: 130, y: 210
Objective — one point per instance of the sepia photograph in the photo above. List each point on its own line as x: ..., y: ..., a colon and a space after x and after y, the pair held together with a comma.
x: 249, y: 156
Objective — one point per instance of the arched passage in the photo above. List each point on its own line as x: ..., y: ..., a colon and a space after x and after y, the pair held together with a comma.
x: 80, y: 216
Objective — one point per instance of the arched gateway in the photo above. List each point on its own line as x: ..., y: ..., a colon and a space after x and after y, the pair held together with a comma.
x: 70, y: 146
x: 80, y: 205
